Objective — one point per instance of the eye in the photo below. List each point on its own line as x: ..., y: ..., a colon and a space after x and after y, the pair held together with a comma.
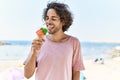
x: 54, y: 19
x: 46, y: 18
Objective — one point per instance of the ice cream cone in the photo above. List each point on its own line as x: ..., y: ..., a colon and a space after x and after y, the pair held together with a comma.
x: 41, y: 32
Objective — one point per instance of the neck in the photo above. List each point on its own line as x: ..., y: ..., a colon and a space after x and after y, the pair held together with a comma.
x: 58, y: 37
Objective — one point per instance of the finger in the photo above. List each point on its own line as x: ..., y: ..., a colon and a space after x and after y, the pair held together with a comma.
x: 38, y: 39
x: 36, y: 47
x: 37, y: 43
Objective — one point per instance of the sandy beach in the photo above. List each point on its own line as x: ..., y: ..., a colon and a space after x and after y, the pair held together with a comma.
x: 10, y: 68
x: 110, y: 70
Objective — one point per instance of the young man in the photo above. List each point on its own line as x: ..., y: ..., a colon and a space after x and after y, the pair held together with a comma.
x: 58, y: 57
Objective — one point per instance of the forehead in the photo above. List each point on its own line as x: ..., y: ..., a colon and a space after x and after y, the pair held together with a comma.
x: 52, y: 12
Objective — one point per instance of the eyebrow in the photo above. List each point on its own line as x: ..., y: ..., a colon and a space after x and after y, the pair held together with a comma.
x: 53, y: 16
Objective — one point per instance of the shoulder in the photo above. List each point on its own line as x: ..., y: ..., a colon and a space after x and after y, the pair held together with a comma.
x: 74, y: 39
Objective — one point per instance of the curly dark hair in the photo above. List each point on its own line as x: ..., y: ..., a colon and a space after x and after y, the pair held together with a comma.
x: 63, y: 11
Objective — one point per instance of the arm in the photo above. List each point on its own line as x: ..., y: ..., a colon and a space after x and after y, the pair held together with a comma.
x: 77, y: 61
x: 76, y: 75
x: 30, y: 63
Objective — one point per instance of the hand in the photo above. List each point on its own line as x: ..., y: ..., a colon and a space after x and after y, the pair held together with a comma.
x: 36, y: 44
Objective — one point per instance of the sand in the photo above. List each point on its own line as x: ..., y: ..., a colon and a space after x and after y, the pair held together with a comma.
x: 110, y: 70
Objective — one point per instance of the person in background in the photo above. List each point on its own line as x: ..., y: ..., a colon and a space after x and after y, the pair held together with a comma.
x: 58, y: 56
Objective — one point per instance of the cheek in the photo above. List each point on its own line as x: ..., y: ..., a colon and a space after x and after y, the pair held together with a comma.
x: 59, y: 24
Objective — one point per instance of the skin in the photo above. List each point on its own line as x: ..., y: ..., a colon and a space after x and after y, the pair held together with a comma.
x: 30, y: 62
x: 56, y: 34
x: 53, y: 20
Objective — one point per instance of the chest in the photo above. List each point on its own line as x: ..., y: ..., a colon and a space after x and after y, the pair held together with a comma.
x: 56, y: 52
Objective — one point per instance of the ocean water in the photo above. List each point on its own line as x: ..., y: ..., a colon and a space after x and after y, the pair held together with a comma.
x: 18, y: 50
x: 15, y: 50
x: 93, y: 50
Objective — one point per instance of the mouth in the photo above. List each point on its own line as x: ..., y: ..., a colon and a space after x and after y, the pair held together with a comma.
x: 50, y: 27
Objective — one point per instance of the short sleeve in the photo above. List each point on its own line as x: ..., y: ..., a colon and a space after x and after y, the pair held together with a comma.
x: 77, y: 63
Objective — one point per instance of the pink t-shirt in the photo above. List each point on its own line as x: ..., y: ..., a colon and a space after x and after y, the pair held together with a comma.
x: 56, y: 60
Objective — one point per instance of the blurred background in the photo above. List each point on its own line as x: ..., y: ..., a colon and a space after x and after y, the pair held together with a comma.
x: 96, y: 24
x: 94, y: 20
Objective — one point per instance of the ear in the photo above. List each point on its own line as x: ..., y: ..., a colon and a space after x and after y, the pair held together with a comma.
x: 63, y: 22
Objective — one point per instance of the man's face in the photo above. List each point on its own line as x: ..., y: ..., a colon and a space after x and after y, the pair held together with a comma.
x: 53, y: 22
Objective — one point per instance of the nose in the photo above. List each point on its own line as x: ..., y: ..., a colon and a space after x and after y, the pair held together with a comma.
x: 48, y: 21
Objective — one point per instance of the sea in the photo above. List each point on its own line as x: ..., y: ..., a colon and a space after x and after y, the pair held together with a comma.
x: 19, y: 49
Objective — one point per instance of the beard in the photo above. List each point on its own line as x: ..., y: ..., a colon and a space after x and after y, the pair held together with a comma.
x: 54, y: 30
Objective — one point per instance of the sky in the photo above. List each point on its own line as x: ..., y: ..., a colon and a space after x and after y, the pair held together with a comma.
x: 94, y: 20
